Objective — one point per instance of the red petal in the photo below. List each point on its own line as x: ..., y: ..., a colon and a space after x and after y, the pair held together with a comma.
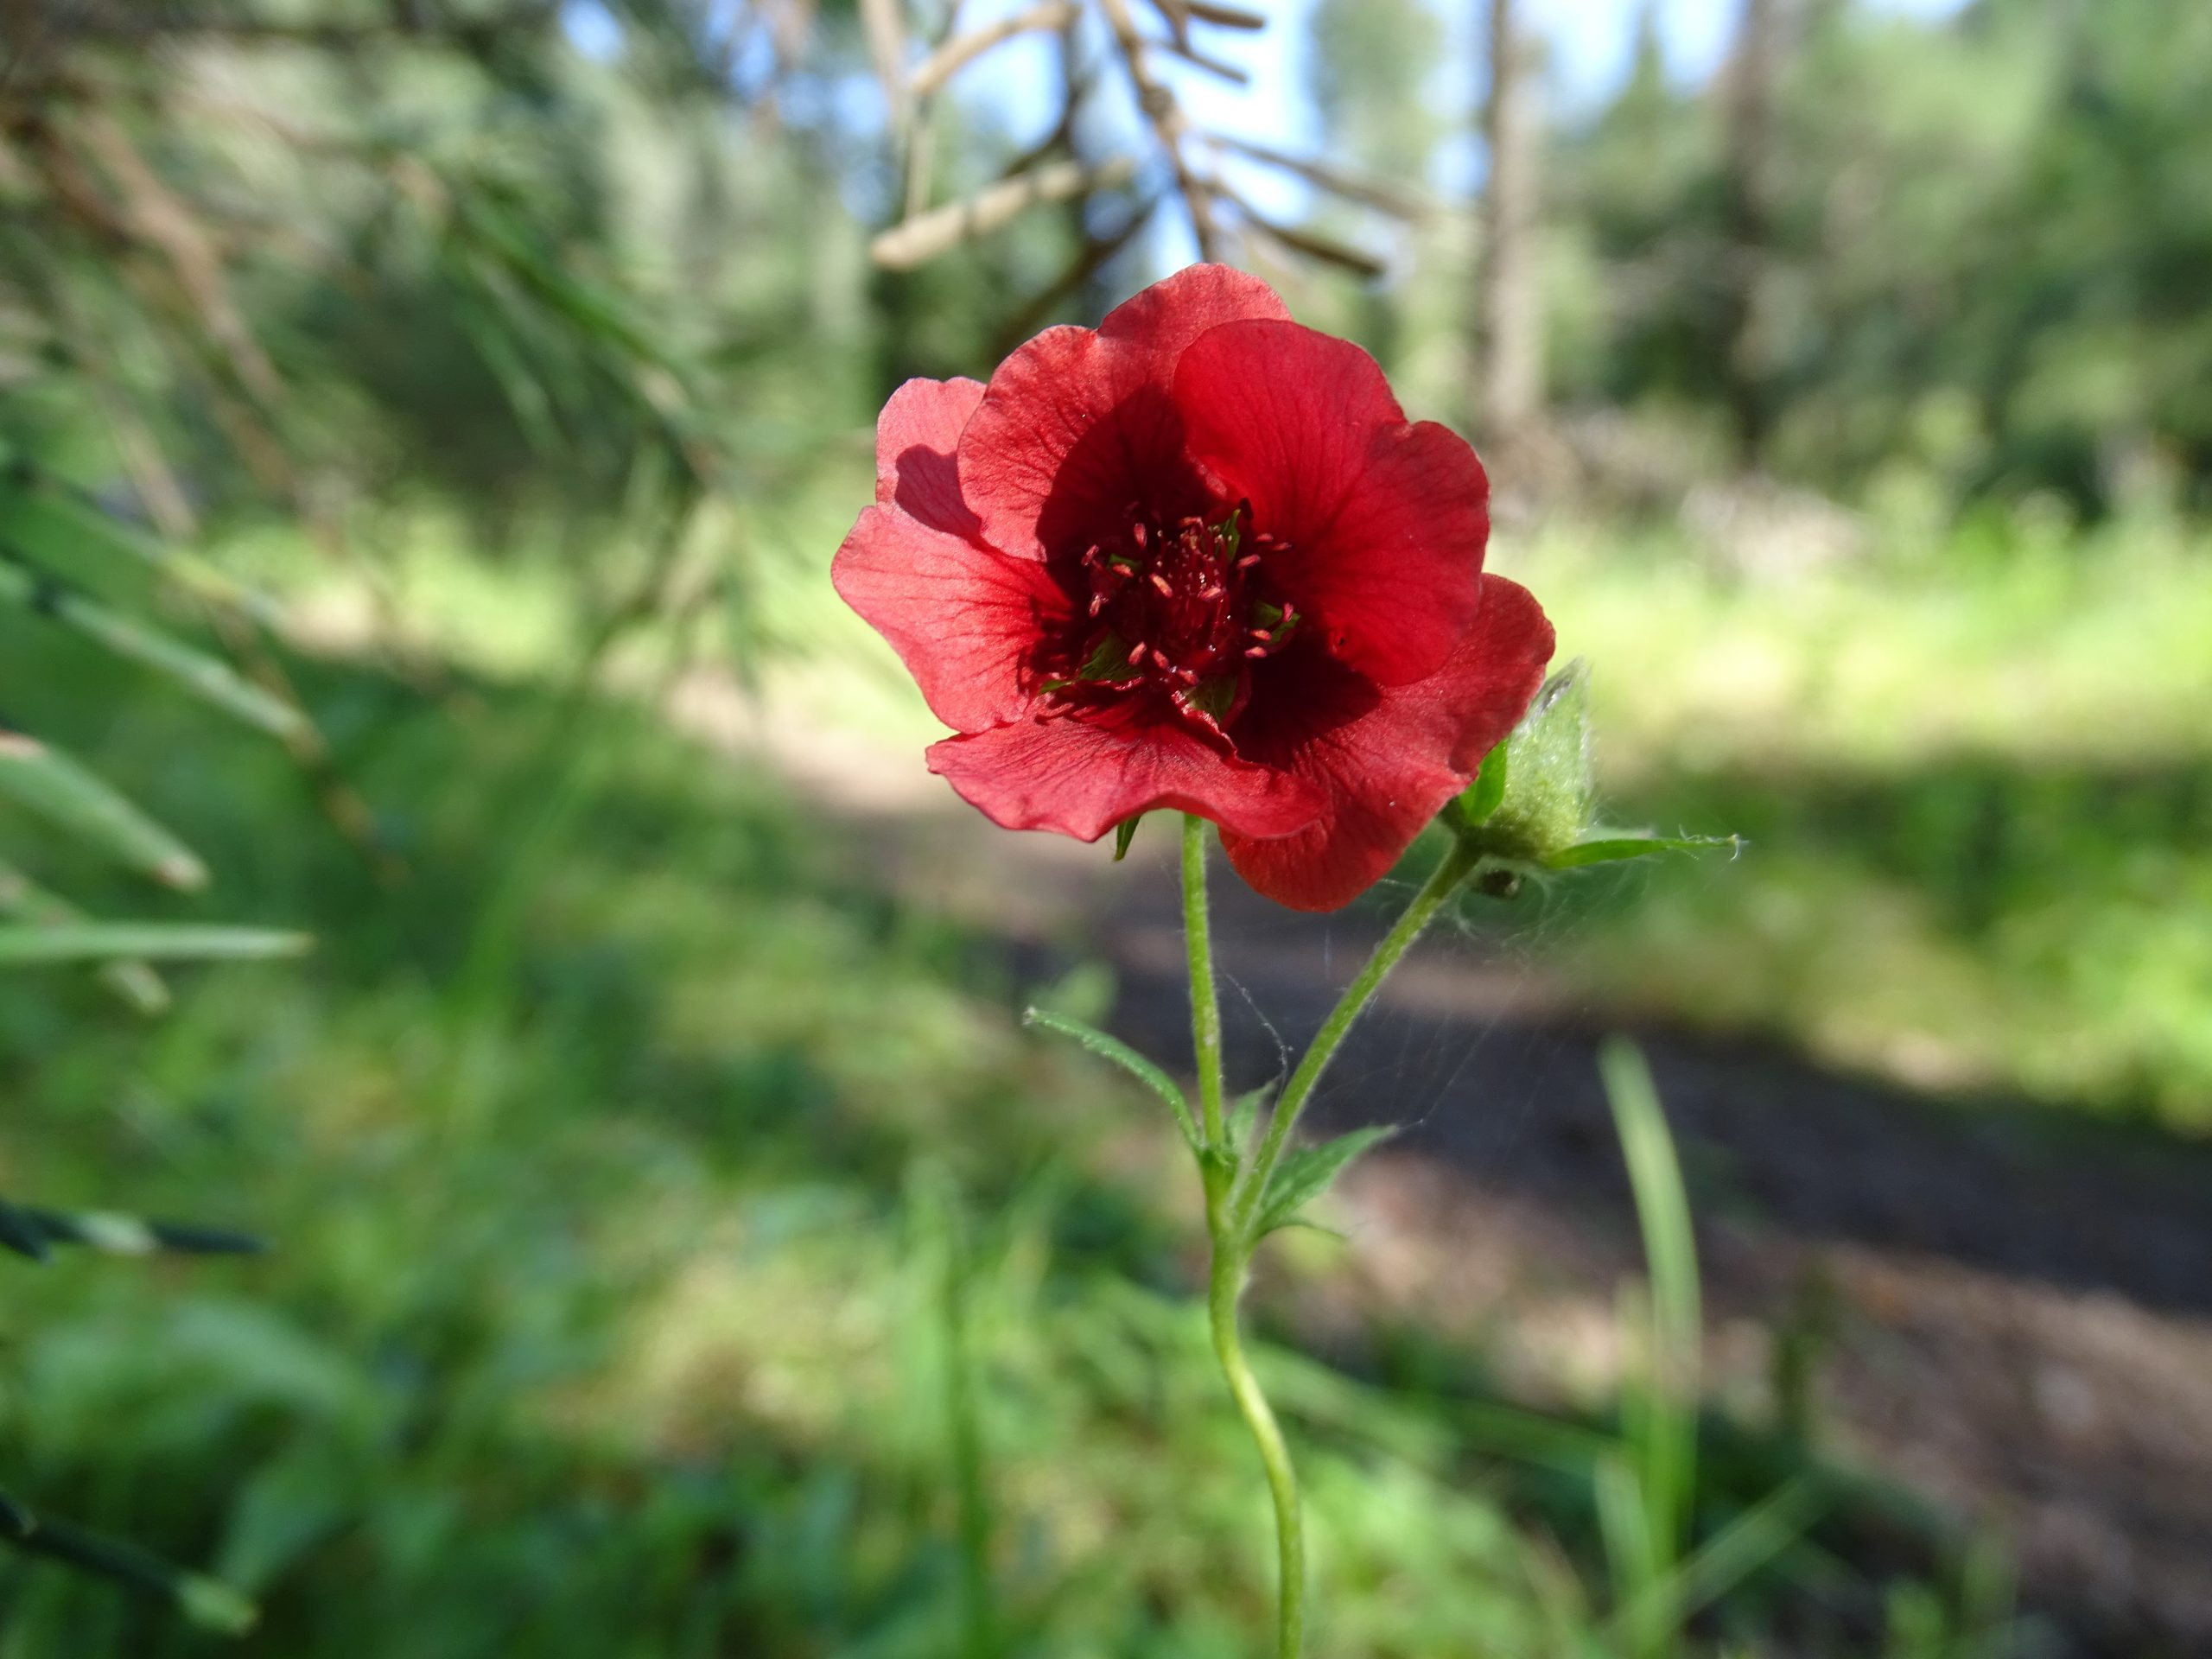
x: 964, y: 620
x: 1077, y: 424
x: 1398, y: 755
x: 915, y: 438
x: 1081, y: 775
x: 1386, y: 521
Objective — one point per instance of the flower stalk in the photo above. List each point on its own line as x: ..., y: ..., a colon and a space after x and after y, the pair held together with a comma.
x: 1236, y: 1191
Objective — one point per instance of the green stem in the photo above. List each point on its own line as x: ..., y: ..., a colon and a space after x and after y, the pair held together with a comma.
x: 1228, y: 1285
x: 1232, y: 1255
x: 1205, y: 1001
x: 1232, y: 1204
x: 1458, y: 864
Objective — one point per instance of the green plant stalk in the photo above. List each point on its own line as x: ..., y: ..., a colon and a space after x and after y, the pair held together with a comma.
x: 1230, y: 1260
x: 1233, y: 1201
x: 1445, y: 881
x: 1205, y: 999
x: 1232, y: 1253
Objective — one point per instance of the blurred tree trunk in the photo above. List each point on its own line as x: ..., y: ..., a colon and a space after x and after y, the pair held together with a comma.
x: 1509, y: 317
x: 1751, y: 196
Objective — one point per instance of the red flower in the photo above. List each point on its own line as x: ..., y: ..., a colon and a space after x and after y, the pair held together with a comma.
x: 1196, y: 559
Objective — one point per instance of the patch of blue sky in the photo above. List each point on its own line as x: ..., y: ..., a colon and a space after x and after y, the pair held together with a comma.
x: 1591, y: 48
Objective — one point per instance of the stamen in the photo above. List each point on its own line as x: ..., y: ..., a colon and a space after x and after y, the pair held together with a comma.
x: 1177, y: 608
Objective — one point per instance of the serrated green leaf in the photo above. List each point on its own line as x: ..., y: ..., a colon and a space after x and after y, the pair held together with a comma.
x: 1611, y: 850
x: 22, y: 899
x: 209, y: 678
x: 44, y: 781
x: 1306, y: 1173
x: 148, y: 941
x: 1113, y: 1049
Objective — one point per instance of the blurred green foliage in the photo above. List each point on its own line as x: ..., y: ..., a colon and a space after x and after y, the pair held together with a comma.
x: 618, y: 1275
x: 608, y: 1313
x: 1973, y: 784
x: 1986, y: 262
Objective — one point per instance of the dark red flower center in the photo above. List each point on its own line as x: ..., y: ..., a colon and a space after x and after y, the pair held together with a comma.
x: 1185, y: 610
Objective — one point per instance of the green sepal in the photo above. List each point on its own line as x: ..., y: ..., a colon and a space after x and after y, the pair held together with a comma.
x: 1306, y: 1173
x: 1109, y: 661
x: 1213, y: 698
x: 1614, y: 847
x: 1481, y: 798
x: 1541, y: 799
x: 1532, y: 804
x: 1124, y: 833
x: 1113, y: 1049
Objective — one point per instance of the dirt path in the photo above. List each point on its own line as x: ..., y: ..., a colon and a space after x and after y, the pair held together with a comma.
x: 2013, y: 1312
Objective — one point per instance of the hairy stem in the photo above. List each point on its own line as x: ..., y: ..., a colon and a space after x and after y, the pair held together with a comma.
x: 1205, y: 1001
x: 1233, y: 1197
x: 1229, y: 1257
x: 1458, y: 864
x: 1232, y: 1253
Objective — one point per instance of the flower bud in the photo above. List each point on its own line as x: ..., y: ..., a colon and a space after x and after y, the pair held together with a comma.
x: 1534, y: 795
x: 1535, y: 800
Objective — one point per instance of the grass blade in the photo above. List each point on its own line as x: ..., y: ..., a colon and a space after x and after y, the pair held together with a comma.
x: 120, y: 1235
x: 1738, y: 1550
x: 22, y: 899
x: 42, y: 779
x: 206, y: 1602
x: 209, y: 678
x: 57, y: 519
x: 146, y: 941
x: 20, y: 1232
x: 1660, y: 1418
